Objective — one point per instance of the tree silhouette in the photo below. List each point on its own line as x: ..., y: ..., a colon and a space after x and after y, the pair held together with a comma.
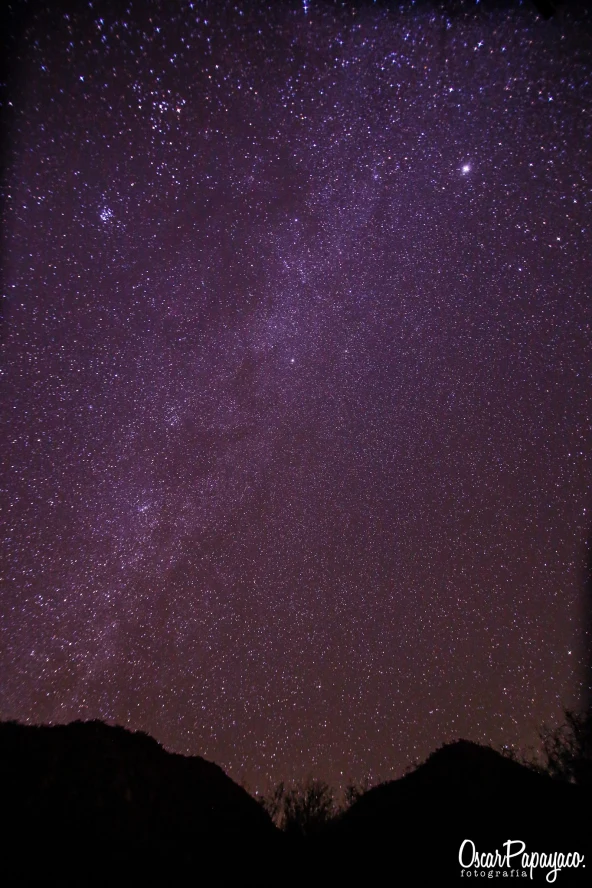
x: 309, y: 808
x: 354, y: 791
x: 303, y: 809
x: 274, y: 803
x: 567, y: 750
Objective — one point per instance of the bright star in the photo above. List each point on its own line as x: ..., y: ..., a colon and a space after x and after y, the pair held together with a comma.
x: 466, y: 168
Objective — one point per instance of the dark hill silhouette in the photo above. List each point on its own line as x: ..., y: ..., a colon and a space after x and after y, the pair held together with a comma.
x: 463, y: 791
x: 90, y: 797
x: 96, y: 804
x: 462, y: 773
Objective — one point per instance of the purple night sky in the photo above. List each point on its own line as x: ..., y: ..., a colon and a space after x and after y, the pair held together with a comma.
x: 296, y: 391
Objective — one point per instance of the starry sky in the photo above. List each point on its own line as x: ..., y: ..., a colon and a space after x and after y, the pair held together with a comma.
x: 296, y: 397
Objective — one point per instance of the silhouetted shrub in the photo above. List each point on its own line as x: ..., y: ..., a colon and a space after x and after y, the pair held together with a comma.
x: 274, y: 803
x: 302, y: 810
x: 567, y: 750
x: 353, y: 792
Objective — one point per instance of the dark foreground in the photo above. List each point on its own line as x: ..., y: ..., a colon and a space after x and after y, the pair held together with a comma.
x: 92, y: 804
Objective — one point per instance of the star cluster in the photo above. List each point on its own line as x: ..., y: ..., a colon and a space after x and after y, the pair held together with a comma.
x: 296, y: 379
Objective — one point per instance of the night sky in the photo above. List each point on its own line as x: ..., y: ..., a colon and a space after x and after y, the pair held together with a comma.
x: 296, y: 396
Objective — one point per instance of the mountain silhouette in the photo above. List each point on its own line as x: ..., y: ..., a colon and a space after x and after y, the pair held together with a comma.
x: 90, y: 799
x: 93, y: 803
x: 463, y: 791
